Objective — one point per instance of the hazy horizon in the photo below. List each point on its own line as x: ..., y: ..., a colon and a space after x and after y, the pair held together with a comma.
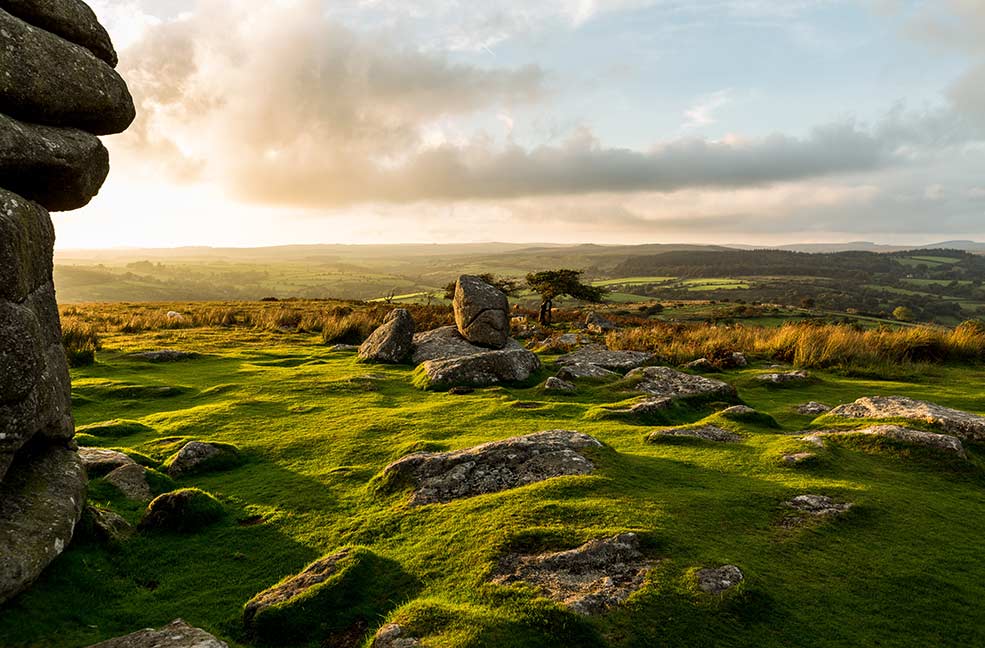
x: 618, y: 121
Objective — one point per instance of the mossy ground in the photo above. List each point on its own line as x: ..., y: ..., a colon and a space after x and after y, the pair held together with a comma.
x: 314, y: 427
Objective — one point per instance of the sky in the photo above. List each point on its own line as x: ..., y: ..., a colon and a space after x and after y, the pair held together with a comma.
x: 574, y: 121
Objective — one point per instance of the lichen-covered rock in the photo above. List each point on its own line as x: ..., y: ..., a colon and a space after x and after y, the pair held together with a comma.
x: 582, y: 371
x: 176, y: 634
x: 596, y: 576
x: 556, y: 385
x: 491, y: 467
x: 131, y: 480
x: 184, y: 510
x: 41, y: 500
x: 818, y: 505
x: 718, y: 580
x: 593, y: 354
x: 392, y: 635
x: 165, y: 355
x: 785, y: 378
x: 49, y: 80
x: 479, y: 370
x: 798, y: 458
x: 198, y: 456
x: 598, y: 324
x: 701, y: 365
x: 664, y: 382
x: 393, y: 341
x: 444, y: 342
x: 73, y: 20
x: 100, y: 461
x: 813, y: 408
x: 704, y: 433
x: 482, y: 312
x: 60, y: 168
x: 970, y: 427
x: 27, y: 239
x: 942, y: 442
x: 104, y: 526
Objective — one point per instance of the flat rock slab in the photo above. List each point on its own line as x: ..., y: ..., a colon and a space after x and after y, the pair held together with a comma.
x: 41, y: 500
x: 582, y: 371
x: 620, y: 361
x: 664, y: 382
x: 492, y: 467
x: 784, y: 378
x: 943, y: 442
x: 480, y: 369
x: 99, y: 461
x: 165, y: 355
x: 594, y: 577
x: 447, y: 342
x: 393, y: 341
x: 963, y: 425
x: 818, y: 505
x: 704, y: 433
x: 718, y: 580
x: 176, y: 634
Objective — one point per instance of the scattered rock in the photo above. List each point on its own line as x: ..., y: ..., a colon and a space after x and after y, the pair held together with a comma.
x: 594, y: 354
x: 719, y: 579
x: 482, y: 312
x: 393, y: 342
x: 818, y: 505
x: 705, y: 433
x: 813, y: 408
x: 555, y: 384
x: 784, y: 378
x: 131, y: 480
x: 942, y: 442
x: 738, y: 359
x: 491, y: 467
x: 183, y: 510
x: 738, y: 411
x: 165, y: 355
x: 198, y: 456
x: 595, y: 323
x: 596, y: 576
x: 702, y: 365
x: 393, y: 635
x: 176, y: 634
x: 969, y: 427
x: 479, y: 370
x: 104, y: 526
x: 99, y: 461
x: 798, y: 458
x: 41, y: 500
x: 664, y: 382
x: 581, y: 371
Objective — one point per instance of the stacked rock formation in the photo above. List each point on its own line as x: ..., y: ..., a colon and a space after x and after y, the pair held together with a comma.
x: 58, y: 90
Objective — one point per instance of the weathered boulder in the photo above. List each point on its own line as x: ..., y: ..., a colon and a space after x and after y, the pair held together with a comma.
x: 813, y: 408
x: 491, y: 467
x: 943, y: 442
x: 785, y: 378
x: 704, y: 433
x: 131, y: 480
x: 718, y: 580
x: 482, y: 312
x: 593, y: 354
x: 598, y: 324
x: 184, y: 510
x: 392, y: 635
x: 165, y: 355
x: 701, y: 365
x: 479, y: 370
x: 49, y: 80
x: 100, y: 461
x: 104, y: 526
x: 555, y: 384
x: 596, y: 576
x: 581, y: 371
x: 198, y: 456
x: 27, y: 239
x: 664, y: 382
x: 73, y: 20
x: 176, y: 634
x: 964, y: 425
x: 41, y: 500
x: 393, y: 342
x: 818, y: 505
x: 444, y: 342
x: 60, y: 168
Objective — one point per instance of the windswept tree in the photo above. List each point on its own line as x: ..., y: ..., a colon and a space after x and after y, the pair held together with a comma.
x: 551, y: 284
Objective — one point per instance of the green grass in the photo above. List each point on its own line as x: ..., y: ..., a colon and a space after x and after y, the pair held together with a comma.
x: 316, y: 427
x: 632, y: 281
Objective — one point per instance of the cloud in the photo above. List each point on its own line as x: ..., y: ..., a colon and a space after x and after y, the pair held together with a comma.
x: 703, y: 112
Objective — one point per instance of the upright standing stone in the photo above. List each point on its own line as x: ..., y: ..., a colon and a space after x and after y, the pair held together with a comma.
x: 481, y: 312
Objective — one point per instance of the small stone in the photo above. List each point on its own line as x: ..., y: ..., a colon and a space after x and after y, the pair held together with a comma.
x: 704, y: 433
x: 131, y: 480
x: 738, y: 411
x: 99, y: 461
x: 555, y: 384
x: 198, y: 456
x: 176, y: 634
x: 784, y: 378
x: 719, y: 579
x: 702, y: 365
x: 165, y: 355
x: 813, y: 408
x: 393, y: 635
x: 582, y: 371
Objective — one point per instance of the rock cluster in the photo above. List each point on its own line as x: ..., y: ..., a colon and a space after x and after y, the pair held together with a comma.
x: 963, y: 425
x: 589, y: 580
x: 491, y: 467
x: 784, y: 378
x: 664, y: 382
x: 598, y: 356
x: 58, y: 90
